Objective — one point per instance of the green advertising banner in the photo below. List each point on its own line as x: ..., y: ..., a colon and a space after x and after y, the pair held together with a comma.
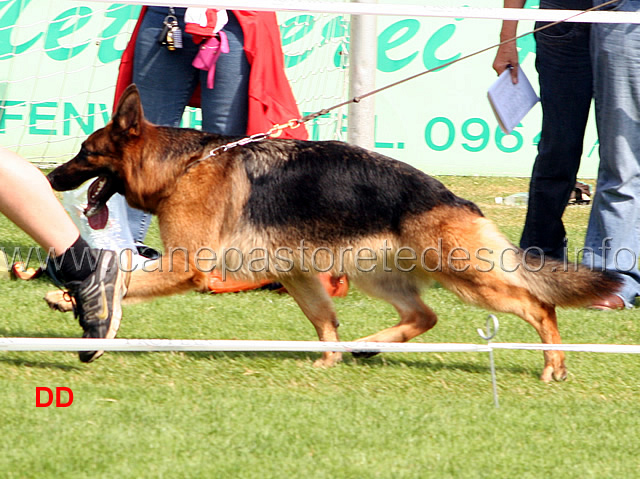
x: 59, y: 61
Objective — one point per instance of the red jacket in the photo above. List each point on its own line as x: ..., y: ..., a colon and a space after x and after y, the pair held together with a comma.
x: 271, y: 99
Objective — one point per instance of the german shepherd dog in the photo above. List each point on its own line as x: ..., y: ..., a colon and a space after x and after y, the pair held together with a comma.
x: 309, y: 206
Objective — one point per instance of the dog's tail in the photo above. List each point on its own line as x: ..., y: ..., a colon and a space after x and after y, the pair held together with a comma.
x: 564, y: 284
x: 550, y: 281
x: 483, y: 267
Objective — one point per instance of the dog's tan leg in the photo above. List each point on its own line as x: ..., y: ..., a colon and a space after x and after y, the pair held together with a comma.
x: 170, y: 275
x: 317, y: 306
x: 478, y: 271
x: 151, y: 279
x: 543, y: 319
x: 490, y: 292
x: 404, y: 295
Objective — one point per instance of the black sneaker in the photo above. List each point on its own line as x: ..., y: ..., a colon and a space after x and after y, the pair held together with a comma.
x: 98, y: 298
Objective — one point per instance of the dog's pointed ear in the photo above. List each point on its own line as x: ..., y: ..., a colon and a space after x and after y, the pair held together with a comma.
x: 128, y: 117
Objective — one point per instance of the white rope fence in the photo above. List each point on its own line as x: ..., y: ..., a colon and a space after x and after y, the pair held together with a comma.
x: 164, y: 345
x: 405, y: 10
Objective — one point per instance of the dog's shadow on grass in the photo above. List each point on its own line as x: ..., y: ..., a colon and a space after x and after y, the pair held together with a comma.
x: 377, y: 362
x: 435, y: 366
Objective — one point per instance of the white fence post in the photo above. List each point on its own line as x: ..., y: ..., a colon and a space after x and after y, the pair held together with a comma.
x: 362, y: 72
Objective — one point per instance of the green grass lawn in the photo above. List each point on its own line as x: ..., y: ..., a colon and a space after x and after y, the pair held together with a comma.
x: 268, y: 415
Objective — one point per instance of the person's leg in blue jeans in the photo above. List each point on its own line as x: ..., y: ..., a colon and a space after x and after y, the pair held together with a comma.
x: 564, y: 70
x: 166, y: 81
x: 613, y: 234
x: 225, y: 106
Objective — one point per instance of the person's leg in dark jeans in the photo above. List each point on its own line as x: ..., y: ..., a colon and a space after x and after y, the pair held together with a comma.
x: 563, y: 63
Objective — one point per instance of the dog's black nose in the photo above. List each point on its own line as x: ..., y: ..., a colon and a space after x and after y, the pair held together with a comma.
x: 56, y: 179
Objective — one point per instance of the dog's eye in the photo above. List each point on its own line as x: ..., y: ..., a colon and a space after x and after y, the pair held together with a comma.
x: 87, y: 152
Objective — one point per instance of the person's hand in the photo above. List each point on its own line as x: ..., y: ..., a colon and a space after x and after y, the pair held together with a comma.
x: 507, y: 57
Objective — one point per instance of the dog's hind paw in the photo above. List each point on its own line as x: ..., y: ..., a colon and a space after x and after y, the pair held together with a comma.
x: 557, y: 374
x: 59, y: 300
x: 364, y: 354
x: 560, y: 376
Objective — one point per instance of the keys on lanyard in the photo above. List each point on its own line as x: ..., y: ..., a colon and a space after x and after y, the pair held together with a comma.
x: 171, y: 35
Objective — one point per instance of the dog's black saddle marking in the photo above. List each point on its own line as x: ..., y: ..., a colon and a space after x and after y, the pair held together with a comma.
x: 337, y: 190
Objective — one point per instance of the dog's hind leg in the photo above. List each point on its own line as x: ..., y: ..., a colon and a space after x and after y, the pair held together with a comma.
x: 543, y: 318
x: 403, y: 293
x: 482, y: 268
x: 488, y: 290
x: 546, y: 323
x: 313, y: 299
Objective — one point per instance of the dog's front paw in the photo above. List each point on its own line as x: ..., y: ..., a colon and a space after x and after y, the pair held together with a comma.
x: 59, y: 300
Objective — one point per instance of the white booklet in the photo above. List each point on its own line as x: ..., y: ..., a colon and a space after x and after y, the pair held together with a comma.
x: 511, y: 102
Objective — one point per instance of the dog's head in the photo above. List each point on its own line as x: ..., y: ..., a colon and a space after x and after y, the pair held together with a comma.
x: 106, y: 154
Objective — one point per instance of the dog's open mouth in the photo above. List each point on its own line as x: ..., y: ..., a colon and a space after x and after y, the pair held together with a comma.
x: 98, y: 194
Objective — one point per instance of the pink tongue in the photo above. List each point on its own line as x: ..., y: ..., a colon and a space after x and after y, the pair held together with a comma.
x: 99, y: 220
